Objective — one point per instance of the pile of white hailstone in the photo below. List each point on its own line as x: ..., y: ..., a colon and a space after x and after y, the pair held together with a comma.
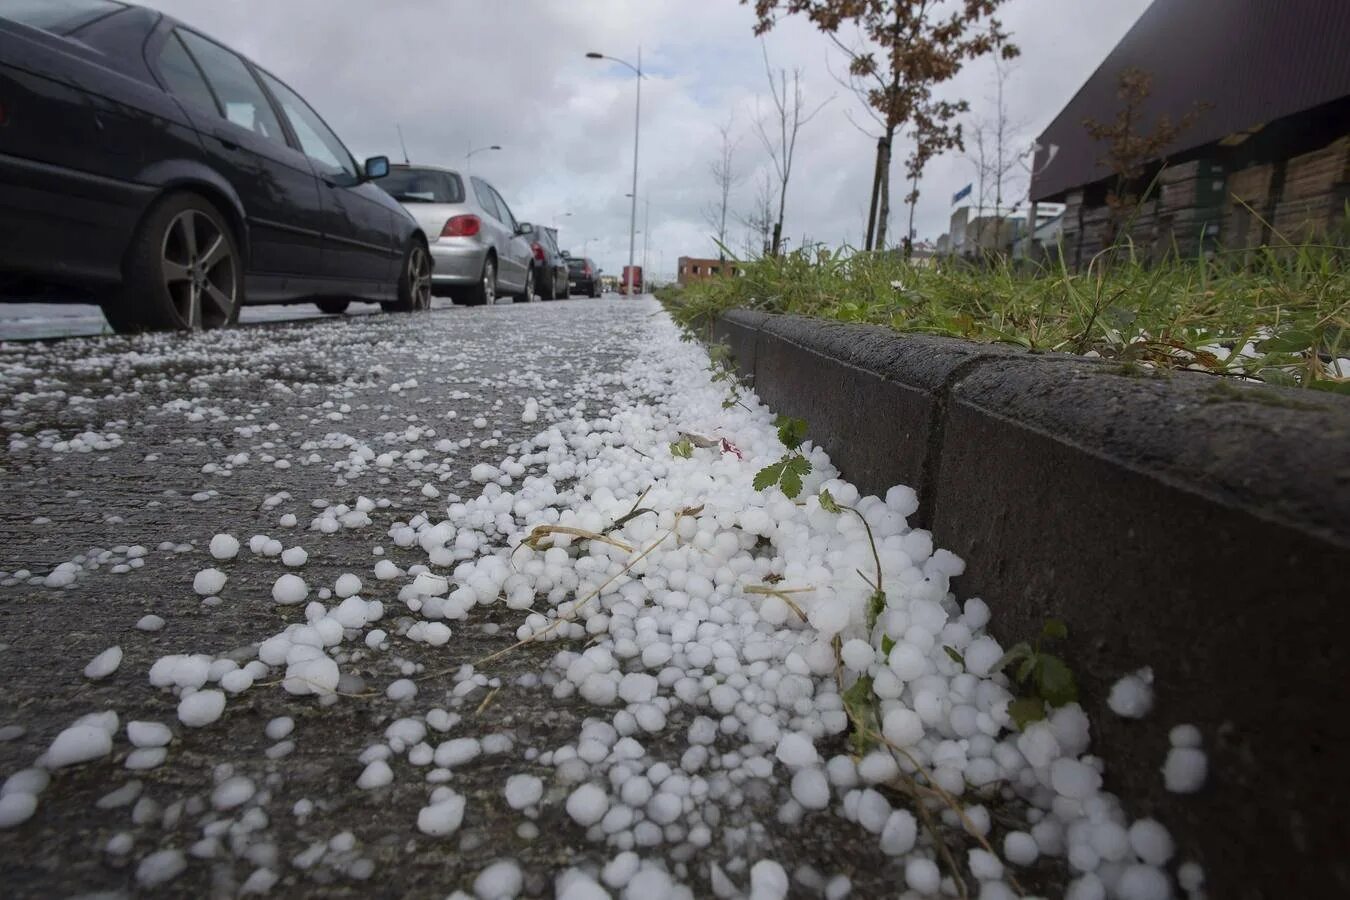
x: 668, y: 633
x: 679, y: 631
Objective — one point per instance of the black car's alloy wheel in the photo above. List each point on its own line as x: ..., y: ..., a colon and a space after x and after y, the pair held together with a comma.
x: 200, y: 272
x: 414, y: 283
x: 183, y: 271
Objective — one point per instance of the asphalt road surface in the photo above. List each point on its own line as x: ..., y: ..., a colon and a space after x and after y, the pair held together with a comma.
x: 126, y: 455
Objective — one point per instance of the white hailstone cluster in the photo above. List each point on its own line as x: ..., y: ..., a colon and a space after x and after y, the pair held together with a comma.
x: 679, y: 630
x: 671, y: 637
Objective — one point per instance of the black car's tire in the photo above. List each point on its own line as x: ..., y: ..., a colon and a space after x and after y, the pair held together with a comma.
x: 566, y: 289
x: 594, y: 292
x: 414, y: 280
x: 485, y: 291
x: 549, y: 291
x: 333, y: 306
x: 527, y: 293
x: 183, y: 270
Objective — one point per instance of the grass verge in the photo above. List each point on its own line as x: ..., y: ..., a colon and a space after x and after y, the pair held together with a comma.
x: 1281, y: 316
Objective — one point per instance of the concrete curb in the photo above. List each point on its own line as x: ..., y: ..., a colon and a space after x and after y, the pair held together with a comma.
x: 1197, y: 526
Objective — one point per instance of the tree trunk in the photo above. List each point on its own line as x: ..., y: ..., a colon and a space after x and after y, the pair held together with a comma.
x: 913, y: 202
x: 884, y: 213
x: 883, y: 144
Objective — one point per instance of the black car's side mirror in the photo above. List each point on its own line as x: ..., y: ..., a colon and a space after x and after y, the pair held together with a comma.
x: 524, y: 228
x: 377, y: 167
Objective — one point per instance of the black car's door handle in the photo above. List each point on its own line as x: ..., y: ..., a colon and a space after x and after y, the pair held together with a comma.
x: 227, y: 143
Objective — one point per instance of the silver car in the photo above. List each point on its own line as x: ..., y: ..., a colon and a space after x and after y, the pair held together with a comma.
x: 479, y: 248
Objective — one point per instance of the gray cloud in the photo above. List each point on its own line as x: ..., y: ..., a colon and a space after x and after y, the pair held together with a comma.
x: 513, y: 72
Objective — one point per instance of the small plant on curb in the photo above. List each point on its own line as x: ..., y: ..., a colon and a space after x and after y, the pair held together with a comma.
x: 1044, y: 679
x: 721, y: 364
x: 789, y: 471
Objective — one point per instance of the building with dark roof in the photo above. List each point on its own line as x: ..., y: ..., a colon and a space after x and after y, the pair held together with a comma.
x: 1268, y: 155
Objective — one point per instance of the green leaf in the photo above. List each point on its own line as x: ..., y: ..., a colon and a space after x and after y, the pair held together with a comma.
x: 876, y: 605
x: 827, y: 501
x: 858, y: 703
x: 887, y: 644
x: 683, y: 448
x: 1335, y: 387
x: 1055, y: 629
x: 1026, y: 668
x: 1025, y: 710
x: 1020, y: 650
x: 795, y: 468
x: 1293, y: 341
x: 954, y: 656
x: 768, y: 476
x: 791, y: 431
x: 1054, y: 681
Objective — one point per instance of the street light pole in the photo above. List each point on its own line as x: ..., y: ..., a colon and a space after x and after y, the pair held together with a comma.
x: 646, y: 232
x: 637, y: 122
x: 468, y: 164
x: 586, y: 246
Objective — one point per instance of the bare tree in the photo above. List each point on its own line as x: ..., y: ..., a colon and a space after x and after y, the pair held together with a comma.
x: 905, y: 49
x: 759, y: 220
x: 724, y: 175
x: 791, y: 114
x: 1128, y: 146
x: 994, y: 157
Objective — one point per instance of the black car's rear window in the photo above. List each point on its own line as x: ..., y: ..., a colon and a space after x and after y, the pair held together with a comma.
x: 57, y: 16
x: 423, y: 186
x: 575, y: 265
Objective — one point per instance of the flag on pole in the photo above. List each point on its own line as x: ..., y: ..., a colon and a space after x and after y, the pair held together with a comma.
x: 962, y: 194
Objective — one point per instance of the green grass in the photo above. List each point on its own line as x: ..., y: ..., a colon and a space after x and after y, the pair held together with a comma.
x: 1288, y: 308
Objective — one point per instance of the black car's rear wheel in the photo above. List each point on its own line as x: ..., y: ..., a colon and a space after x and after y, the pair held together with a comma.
x: 183, y: 271
x: 333, y: 306
x: 414, y: 281
x: 549, y: 290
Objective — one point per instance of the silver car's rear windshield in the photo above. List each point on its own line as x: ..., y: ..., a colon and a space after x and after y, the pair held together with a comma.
x: 57, y: 16
x: 423, y: 186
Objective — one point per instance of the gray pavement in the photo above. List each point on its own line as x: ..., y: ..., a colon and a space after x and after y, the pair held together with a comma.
x: 183, y: 409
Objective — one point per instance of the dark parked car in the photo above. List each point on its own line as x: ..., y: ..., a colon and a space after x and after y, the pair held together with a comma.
x: 550, y: 266
x: 583, y: 275
x: 147, y: 167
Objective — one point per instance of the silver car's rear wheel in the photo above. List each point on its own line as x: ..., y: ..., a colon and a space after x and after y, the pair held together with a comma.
x: 485, y: 291
x: 527, y: 294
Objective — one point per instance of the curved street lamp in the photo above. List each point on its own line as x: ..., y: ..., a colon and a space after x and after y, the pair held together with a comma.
x: 469, y: 156
x: 637, y: 123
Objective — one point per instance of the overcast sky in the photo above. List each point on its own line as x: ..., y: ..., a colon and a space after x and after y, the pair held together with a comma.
x: 462, y: 73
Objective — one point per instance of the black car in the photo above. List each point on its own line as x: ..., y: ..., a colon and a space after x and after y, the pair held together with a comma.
x: 153, y: 170
x: 550, y: 266
x: 583, y: 275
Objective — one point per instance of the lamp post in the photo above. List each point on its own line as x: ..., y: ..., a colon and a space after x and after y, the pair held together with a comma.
x: 646, y: 229
x: 559, y: 216
x: 469, y: 156
x: 637, y: 122
x: 585, y: 246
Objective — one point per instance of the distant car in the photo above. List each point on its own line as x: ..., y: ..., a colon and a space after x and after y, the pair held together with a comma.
x: 150, y: 169
x: 480, y: 250
x: 583, y: 276
x: 550, y: 266
x: 633, y: 273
